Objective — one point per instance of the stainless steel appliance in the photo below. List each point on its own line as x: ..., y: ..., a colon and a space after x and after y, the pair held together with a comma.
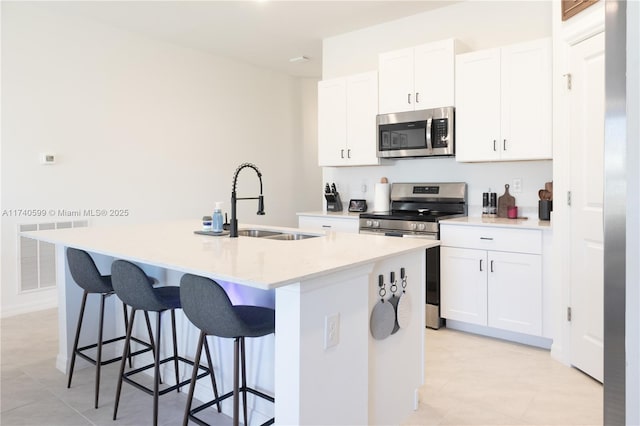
x: 415, y: 211
x: 424, y: 133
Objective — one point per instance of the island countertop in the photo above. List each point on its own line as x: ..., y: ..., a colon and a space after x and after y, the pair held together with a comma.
x: 255, y: 262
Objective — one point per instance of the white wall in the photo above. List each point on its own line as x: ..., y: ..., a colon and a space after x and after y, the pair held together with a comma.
x: 142, y: 125
x: 477, y: 24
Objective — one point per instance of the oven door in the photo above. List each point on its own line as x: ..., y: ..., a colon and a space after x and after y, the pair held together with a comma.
x: 403, y: 234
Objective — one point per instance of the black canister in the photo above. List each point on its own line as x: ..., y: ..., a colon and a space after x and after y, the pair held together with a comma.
x: 544, y: 209
x: 485, y: 203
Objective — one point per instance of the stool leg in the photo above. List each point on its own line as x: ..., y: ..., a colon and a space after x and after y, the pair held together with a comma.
x: 126, y: 326
x: 75, y: 342
x: 99, y: 349
x: 194, y: 376
x: 151, y: 342
x: 236, y: 362
x: 175, y: 347
x: 156, y: 372
x: 123, y: 363
x: 244, y: 379
x: 213, y: 376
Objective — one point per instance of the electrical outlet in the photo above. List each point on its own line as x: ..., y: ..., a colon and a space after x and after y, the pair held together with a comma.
x: 331, y: 330
x: 517, y: 186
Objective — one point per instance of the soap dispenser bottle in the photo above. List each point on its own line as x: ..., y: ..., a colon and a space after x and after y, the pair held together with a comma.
x: 217, y: 221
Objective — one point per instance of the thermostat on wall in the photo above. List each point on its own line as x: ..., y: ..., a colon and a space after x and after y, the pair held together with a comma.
x: 47, y: 158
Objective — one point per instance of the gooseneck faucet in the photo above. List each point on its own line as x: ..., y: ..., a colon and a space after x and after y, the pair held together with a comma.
x: 233, y: 230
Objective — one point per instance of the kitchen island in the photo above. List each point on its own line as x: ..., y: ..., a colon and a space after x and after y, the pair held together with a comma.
x: 332, y: 278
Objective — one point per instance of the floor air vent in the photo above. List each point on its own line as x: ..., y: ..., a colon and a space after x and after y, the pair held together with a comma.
x: 37, y: 259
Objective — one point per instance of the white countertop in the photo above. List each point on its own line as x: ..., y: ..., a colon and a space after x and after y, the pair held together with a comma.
x: 255, y: 262
x: 499, y: 222
x: 342, y: 215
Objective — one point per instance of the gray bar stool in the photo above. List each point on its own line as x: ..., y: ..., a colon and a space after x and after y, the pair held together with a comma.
x: 131, y: 285
x: 208, y: 307
x: 85, y: 273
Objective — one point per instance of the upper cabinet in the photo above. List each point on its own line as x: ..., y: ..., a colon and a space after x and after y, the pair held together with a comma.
x: 503, y: 103
x: 347, y: 109
x: 417, y: 78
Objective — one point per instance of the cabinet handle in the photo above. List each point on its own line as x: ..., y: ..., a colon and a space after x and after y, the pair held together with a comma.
x: 504, y: 144
x: 494, y: 144
x: 326, y: 226
x: 417, y: 97
x: 342, y: 153
x: 480, y: 265
x: 486, y: 238
x: 409, y: 98
x: 348, y: 153
x: 492, y: 266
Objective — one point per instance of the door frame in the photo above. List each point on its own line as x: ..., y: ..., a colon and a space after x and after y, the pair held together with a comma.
x: 565, y: 35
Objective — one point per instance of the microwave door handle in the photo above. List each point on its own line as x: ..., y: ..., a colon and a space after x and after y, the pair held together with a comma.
x: 429, y: 142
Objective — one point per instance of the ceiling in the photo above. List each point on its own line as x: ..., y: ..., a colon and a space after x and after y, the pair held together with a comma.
x: 263, y: 33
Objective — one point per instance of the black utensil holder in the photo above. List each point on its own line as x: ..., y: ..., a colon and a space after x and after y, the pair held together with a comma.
x: 544, y: 209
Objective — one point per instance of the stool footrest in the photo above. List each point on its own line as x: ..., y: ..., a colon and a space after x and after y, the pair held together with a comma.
x: 79, y: 351
x: 193, y: 412
x: 126, y: 376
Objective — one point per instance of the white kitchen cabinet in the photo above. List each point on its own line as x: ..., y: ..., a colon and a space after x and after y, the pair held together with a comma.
x: 347, y: 109
x: 492, y: 277
x: 503, y: 103
x: 416, y: 78
x: 325, y: 222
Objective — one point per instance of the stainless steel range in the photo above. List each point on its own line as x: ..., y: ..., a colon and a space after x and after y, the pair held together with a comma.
x: 415, y: 211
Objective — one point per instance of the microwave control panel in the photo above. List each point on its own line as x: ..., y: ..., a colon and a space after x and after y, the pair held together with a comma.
x: 440, y: 133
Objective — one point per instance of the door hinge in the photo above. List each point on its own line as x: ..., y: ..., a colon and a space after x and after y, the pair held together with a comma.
x: 568, y: 78
x: 568, y: 198
x: 569, y: 313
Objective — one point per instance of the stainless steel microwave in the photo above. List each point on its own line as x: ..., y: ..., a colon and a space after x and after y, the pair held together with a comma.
x: 424, y: 133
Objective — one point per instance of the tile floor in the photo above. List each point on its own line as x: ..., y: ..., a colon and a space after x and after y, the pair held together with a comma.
x: 470, y: 380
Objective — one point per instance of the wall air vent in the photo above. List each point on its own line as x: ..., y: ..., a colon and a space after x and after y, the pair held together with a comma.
x: 37, y: 259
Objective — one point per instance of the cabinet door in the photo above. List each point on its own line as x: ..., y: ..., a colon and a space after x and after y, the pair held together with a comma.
x: 332, y: 122
x: 526, y: 101
x: 478, y: 106
x: 362, y: 107
x: 463, y: 285
x: 515, y: 292
x: 434, y: 73
x: 395, y: 70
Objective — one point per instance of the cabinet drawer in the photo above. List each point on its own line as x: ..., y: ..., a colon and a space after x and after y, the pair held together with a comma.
x: 329, y: 223
x: 492, y: 238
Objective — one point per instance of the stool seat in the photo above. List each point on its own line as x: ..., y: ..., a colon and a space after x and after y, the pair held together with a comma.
x: 85, y: 273
x: 209, y: 308
x: 131, y: 285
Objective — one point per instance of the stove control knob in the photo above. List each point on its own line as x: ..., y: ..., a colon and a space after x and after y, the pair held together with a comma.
x: 413, y: 226
x: 376, y: 224
x: 421, y: 227
x: 369, y: 223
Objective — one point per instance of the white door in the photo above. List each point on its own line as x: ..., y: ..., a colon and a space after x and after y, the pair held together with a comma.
x: 526, y: 101
x: 362, y: 107
x: 586, y: 182
x: 434, y: 73
x: 463, y: 287
x: 332, y: 122
x: 396, y: 81
x: 478, y: 106
x: 514, y: 287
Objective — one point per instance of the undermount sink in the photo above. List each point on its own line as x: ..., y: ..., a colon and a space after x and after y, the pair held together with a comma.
x: 257, y: 233
x: 274, y: 235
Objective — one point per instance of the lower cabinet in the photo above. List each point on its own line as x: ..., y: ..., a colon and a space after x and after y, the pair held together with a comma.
x: 496, y: 288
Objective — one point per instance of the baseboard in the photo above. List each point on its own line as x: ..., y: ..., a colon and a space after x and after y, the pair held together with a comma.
x: 525, y: 339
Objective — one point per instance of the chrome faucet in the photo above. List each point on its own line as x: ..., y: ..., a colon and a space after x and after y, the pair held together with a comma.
x: 233, y: 229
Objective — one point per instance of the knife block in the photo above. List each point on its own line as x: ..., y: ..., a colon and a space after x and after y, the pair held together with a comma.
x: 334, y: 204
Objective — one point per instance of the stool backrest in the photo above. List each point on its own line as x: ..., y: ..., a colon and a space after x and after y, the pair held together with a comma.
x: 133, y: 287
x: 209, y: 308
x: 85, y: 273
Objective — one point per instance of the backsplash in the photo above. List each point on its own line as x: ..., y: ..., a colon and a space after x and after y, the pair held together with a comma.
x: 359, y: 182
